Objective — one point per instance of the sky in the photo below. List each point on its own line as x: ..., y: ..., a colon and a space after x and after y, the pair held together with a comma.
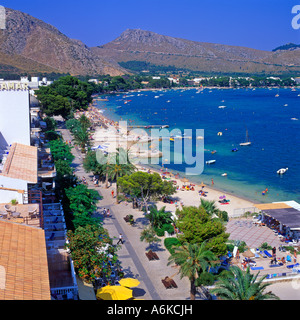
x: 258, y: 24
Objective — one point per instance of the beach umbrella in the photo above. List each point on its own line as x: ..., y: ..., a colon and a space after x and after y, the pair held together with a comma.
x: 114, y: 293
x: 129, y: 282
x: 184, y: 180
x: 202, y: 184
x: 248, y: 254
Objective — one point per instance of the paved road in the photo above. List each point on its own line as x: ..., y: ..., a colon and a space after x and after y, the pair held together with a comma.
x: 132, y: 254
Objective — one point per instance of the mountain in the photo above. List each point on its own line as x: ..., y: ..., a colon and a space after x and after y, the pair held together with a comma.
x: 150, y: 47
x: 31, y: 45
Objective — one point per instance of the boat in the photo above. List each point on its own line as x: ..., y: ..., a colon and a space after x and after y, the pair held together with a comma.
x: 277, y: 95
x: 247, y: 142
x: 282, y: 171
x: 224, y: 174
x: 294, y: 119
x: 210, y: 161
x: 235, y: 150
x: 222, y: 107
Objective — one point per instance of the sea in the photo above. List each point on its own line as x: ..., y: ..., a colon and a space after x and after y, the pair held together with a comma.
x: 225, y: 115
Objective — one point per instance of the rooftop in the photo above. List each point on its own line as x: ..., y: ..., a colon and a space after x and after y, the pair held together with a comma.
x: 23, y: 263
x: 21, y: 163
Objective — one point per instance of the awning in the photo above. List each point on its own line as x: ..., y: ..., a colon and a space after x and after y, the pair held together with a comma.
x: 287, y: 216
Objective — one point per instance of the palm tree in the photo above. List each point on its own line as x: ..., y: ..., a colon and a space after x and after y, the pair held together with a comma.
x: 81, y: 138
x: 209, y: 206
x: 119, y: 165
x: 149, y: 235
x: 158, y: 217
x: 193, y: 259
x: 241, y: 285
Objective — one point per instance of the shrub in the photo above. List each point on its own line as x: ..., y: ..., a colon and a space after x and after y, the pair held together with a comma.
x: 168, y: 227
x: 265, y: 246
x: 170, y: 243
x: 159, y: 232
x: 205, y: 279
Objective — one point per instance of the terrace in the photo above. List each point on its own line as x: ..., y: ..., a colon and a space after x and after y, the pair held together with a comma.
x: 28, y: 214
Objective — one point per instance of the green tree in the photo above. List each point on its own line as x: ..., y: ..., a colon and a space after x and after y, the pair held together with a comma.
x: 149, y: 235
x: 90, y: 262
x: 81, y: 138
x: 209, y: 206
x: 242, y: 285
x: 91, y: 164
x: 82, y: 204
x: 61, y: 151
x: 146, y: 186
x: 192, y: 259
x: 158, y: 217
x: 198, y: 226
x: 119, y: 165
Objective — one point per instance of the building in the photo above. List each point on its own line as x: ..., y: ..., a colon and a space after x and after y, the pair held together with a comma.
x: 34, y: 264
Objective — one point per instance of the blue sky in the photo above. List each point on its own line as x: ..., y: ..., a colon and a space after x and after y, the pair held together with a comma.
x: 259, y: 24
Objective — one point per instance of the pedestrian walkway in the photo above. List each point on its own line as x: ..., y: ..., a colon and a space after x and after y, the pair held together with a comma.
x: 132, y: 253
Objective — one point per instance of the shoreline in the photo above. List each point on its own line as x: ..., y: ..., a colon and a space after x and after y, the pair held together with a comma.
x: 188, y: 198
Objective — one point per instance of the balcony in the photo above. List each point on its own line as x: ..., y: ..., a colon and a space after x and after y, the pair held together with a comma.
x: 62, y: 275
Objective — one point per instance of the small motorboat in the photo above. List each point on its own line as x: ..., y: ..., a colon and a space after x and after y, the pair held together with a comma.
x: 224, y: 174
x: 235, y: 150
x: 210, y: 161
x: 282, y: 171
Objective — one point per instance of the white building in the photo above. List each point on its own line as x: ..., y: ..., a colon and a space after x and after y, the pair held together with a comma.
x: 14, y: 113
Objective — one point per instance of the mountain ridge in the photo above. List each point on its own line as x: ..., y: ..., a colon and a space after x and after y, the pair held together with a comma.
x: 142, y: 45
x: 31, y: 38
x: 30, y: 45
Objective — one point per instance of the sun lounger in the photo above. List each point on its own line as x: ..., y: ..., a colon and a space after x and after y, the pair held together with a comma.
x: 257, y: 268
x: 267, y: 254
x: 263, y: 254
x: 276, y: 265
x: 293, y: 265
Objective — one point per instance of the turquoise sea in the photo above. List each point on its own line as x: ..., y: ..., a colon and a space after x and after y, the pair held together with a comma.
x: 266, y: 113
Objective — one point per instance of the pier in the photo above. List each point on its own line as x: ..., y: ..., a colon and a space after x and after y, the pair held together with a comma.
x: 150, y: 126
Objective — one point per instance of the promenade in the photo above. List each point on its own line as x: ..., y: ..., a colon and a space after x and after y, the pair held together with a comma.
x: 132, y: 254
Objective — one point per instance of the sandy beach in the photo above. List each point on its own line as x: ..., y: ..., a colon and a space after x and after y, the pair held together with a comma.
x: 110, y: 135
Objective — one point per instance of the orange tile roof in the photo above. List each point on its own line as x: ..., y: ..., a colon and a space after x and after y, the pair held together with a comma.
x: 23, y: 263
x: 21, y: 163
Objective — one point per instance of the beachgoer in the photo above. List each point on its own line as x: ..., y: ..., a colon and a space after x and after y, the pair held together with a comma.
x: 112, y: 193
x: 120, y: 239
x: 104, y: 211
x: 295, y: 256
x: 212, y: 181
x: 108, y: 213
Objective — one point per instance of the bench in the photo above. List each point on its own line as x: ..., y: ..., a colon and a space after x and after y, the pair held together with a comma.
x: 152, y: 255
x: 169, y: 283
x: 129, y: 219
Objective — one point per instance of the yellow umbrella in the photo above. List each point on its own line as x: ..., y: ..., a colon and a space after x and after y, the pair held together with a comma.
x: 129, y: 282
x: 114, y: 293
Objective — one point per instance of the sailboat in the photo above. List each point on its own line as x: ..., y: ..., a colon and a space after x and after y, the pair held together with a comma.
x: 247, y: 142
